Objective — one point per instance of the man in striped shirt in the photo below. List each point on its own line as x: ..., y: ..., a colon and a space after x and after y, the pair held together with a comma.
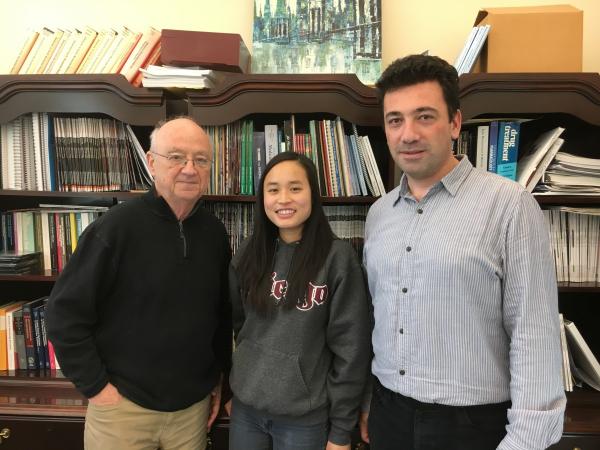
x: 466, y: 337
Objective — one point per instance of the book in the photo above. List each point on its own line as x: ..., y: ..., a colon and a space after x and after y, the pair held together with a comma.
x: 474, y: 49
x: 271, y: 142
x: 80, y: 50
x: 13, y: 361
x: 463, y: 53
x: 586, y: 365
x: 508, y: 149
x: 29, y: 330
x: 493, y: 146
x: 25, y: 49
x: 482, y: 150
x: 149, y: 39
x: 20, y: 347
x: 534, y: 155
x: 38, y: 51
x: 3, y: 338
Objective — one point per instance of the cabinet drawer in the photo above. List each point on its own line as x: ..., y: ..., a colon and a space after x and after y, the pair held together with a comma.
x: 42, y: 433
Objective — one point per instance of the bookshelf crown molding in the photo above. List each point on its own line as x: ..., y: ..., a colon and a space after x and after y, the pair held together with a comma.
x: 577, y: 94
x: 109, y: 94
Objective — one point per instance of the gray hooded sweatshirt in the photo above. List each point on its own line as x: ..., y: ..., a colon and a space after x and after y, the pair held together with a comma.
x: 308, y: 364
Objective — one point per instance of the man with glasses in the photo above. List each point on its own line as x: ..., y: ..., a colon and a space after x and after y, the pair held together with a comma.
x: 139, y: 317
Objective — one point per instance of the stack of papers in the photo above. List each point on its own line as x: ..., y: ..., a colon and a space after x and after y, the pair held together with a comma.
x: 168, y: 76
x: 570, y: 174
x: 537, y: 158
x: 17, y: 263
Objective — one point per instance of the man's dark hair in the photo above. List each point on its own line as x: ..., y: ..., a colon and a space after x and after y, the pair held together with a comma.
x: 416, y: 69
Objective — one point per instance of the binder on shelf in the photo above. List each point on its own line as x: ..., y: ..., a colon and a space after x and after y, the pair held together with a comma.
x: 218, y: 51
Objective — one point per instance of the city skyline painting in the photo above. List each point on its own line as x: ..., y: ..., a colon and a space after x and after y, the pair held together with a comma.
x: 318, y: 36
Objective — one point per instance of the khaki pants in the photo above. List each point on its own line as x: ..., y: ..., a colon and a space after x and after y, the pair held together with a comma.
x: 127, y: 426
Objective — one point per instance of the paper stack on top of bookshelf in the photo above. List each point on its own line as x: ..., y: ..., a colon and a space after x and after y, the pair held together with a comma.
x: 473, y: 45
x: 177, y: 77
x: 537, y: 158
x: 569, y: 174
x: 14, y: 262
x: 579, y: 363
x: 57, y: 51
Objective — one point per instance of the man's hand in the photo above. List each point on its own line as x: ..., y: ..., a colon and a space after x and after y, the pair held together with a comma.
x: 215, y: 404
x: 107, y: 396
x: 363, y: 424
x: 227, y: 407
x: 332, y: 446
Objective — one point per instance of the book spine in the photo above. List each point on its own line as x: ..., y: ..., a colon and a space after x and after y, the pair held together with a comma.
x: 20, y: 347
x: 28, y: 328
x: 37, y: 336
x: 508, y: 148
x: 493, y: 147
x: 46, y: 350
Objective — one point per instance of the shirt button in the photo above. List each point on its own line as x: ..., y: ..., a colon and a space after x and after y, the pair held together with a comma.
x: 419, y: 211
x: 402, y: 372
x: 404, y: 290
x: 408, y: 249
x: 401, y: 330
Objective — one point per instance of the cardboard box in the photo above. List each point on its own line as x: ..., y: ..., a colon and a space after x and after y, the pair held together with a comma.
x: 532, y: 39
x: 217, y: 51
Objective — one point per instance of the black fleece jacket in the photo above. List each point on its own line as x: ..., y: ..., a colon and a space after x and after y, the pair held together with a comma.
x: 143, y: 304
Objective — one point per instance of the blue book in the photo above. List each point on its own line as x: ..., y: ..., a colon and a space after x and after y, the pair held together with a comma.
x: 508, y: 149
x: 493, y: 146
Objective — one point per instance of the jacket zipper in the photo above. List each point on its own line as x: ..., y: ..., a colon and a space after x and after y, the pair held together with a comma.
x: 182, y: 236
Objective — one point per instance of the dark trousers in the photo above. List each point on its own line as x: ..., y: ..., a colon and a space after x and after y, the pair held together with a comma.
x: 397, y: 422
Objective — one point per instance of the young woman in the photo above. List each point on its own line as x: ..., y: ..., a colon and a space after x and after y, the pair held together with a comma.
x: 301, y: 321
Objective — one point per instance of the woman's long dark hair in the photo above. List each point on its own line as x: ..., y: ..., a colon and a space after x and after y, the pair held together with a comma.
x: 256, y: 261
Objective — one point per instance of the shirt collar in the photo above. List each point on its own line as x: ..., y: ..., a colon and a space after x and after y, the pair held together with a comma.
x: 451, y: 182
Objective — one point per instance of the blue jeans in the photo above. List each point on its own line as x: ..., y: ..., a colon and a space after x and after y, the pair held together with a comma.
x: 397, y: 422
x: 250, y: 429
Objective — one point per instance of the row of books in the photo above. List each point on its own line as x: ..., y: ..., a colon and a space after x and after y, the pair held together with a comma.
x: 23, y: 340
x: 470, y: 51
x: 57, y: 51
x: 575, y: 239
x: 50, y: 231
x: 45, y: 153
x: 347, y: 222
x: 580, y: 365
x: 345, y: 162
x: 494, y: 146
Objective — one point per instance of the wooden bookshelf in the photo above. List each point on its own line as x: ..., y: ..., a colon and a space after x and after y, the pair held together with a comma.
x: 44, y: 403
x: 571, y: 100
x: 574, y: 98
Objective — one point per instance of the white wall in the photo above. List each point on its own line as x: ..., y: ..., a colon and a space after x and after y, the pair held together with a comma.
x: 409, y: 26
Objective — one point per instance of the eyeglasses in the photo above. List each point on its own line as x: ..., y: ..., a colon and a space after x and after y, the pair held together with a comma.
x: 180, y: 160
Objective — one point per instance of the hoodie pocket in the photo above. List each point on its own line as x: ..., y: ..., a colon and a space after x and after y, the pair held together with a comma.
x: 269, y: 380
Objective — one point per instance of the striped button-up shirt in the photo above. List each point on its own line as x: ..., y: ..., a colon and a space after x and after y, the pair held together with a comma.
x: 465, y: 300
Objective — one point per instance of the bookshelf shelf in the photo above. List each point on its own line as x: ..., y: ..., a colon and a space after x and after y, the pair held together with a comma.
x: 579, y: 287
x: 567, y: 200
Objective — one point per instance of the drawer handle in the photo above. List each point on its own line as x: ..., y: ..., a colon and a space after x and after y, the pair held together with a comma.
x: 4, y: 434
